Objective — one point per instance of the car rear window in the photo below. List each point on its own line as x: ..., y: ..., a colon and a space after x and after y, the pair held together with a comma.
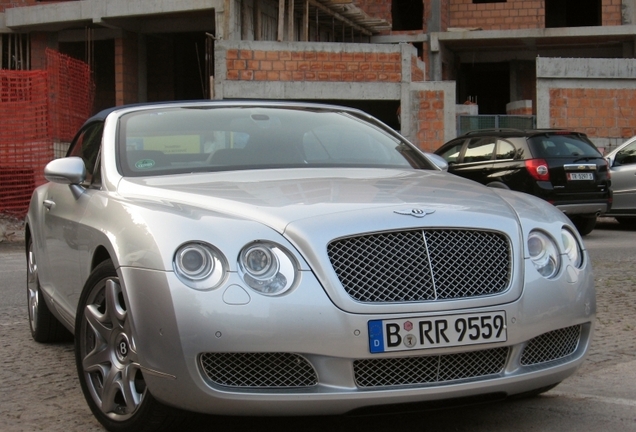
x: 571, y: 145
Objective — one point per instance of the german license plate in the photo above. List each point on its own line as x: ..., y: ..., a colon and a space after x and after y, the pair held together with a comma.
x: 580, y: 176
x: 436, y: 332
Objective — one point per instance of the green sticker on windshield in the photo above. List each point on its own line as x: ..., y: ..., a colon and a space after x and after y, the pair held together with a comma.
x: 145, y: 163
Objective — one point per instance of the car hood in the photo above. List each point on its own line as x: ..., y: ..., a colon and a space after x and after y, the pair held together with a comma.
x: 280, y: 198
x: 311, y: 208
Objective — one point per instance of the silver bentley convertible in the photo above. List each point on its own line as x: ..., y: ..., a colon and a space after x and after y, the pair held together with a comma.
x: 271, y: 258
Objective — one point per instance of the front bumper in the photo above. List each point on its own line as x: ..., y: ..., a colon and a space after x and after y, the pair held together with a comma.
x: 175, y: 325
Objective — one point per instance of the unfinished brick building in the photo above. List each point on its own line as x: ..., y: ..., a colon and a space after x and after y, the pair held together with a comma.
x: 570, y: 63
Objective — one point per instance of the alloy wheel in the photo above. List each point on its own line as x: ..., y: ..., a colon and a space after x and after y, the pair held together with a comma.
x: 107, y: 351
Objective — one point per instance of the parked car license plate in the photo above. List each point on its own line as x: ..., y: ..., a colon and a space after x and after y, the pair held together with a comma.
x: 436, y: 332
x: 580, y: 176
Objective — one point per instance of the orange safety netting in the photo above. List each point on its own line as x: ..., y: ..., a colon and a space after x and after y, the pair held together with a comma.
x: 71, y: 94
x: 38, y: 109
x: 25, y: 137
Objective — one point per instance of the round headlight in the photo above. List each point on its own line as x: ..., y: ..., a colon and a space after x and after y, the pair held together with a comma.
x: 572, y: 248
x: 267, y: 268
x: 543, y: 254
x: 194, y: 262
x: 199, y: 265
x: 260, y: 262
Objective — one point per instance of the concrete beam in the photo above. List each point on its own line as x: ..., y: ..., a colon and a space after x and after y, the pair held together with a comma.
x: 57, y: 16
x: 308, y: 90
x: 539, y: 33
x: 394, y: 39
x: 586, y: 68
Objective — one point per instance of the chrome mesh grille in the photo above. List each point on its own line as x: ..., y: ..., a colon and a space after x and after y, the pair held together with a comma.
x: 551, y: 346
x: 262, y: 370
x: 402, y: 371
x: 422, y: 265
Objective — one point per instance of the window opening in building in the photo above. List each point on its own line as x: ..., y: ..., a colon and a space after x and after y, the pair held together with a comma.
x: 572, y: 13
x: 486, y: 84
x: 407, y: 14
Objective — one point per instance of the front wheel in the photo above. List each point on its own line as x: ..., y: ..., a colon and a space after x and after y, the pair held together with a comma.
x: 107, y: 362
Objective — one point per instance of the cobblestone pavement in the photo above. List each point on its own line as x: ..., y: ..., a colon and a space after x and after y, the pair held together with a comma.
x: 40, y: 390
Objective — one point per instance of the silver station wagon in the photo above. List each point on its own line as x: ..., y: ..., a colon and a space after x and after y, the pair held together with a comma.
x: 274, y: 258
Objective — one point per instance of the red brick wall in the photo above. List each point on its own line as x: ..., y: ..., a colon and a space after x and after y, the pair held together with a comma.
x: 417, y: 74
x: 126, y: 76
x: 520, y: 111
x: 248, y: 65
x: 515, y: 14
x: 611, y: 12
x: 382, y: 9
x: 597, y: 112
x: 429, y: 122
x: 376, y: 8
x: 39, y: 43
x: 6, y: 4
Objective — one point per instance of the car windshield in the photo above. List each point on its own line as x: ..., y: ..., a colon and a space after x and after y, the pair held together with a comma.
x: 199, y: 139
x: 557, y: 145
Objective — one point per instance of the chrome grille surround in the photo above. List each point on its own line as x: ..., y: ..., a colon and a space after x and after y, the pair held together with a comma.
x: 422, y: 265
x: 402, y: 371
x: 258, y: 370
x: 551, y: 346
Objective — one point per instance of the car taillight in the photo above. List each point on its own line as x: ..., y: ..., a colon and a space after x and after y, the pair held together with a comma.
x: 607, y: 170
x: 538, y: 169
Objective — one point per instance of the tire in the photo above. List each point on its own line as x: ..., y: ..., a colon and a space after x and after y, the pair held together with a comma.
x: 45, y: 328
x: 107, y: 363
x: 584, y: 224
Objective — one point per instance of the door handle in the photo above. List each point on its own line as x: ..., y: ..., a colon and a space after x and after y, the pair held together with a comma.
x: 49, y: 204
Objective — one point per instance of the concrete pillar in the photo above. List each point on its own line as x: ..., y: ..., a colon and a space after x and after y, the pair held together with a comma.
x: 433, y: 14
x: 40, y: 41
x: 142, y: 69
x: 126, y: 69
x: 629, y: 12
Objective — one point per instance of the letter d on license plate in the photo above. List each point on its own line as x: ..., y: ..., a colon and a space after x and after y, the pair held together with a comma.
x: 437, y: 331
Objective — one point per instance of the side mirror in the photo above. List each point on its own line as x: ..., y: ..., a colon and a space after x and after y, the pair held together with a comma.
x: 70, y: 171
x: 438, y: 161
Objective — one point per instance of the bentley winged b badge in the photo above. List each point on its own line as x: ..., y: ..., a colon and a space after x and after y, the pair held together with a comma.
x: 416, y: 212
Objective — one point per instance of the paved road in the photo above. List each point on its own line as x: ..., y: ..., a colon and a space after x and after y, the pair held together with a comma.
x: 39, y: 389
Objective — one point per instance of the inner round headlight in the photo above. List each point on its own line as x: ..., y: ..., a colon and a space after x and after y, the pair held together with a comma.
x: 267, y: 268
x: 543, y: 254
x: 572, y: 248
x: 260, y: 262
x: 199, y: 265
x: 194, y: 262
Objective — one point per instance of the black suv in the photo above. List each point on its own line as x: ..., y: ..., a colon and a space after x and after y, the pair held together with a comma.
x: 562, y: 167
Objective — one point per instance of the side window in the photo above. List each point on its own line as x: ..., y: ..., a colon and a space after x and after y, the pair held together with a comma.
x: 451, y: 154
x: 87, y: 145
x: 505, y: 150
x: 479, y: 150
x: 627, y: 156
